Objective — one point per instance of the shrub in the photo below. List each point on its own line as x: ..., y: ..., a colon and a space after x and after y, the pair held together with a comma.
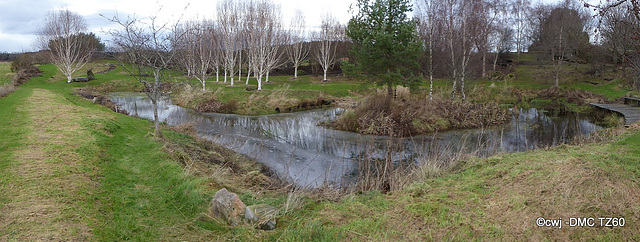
x: 229, y: 107
x: 21, y: 64
x: 214, y: 106
x: 6, y: 89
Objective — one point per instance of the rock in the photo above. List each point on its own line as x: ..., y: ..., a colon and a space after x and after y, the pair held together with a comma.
x: 228, y: 206
x: 262, y: 215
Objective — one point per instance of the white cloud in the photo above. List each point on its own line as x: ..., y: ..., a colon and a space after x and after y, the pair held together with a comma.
x: 18, y: 25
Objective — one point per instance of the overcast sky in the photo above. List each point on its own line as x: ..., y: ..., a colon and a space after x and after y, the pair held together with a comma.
x: 20, y: 19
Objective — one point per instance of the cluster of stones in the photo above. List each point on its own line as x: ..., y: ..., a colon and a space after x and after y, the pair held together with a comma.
x: 228, y: 207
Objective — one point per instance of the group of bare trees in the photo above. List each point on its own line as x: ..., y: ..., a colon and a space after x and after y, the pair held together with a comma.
x: 251, y: 35
x: 620, y: 31
x: 458, y: 32
x: 460, y: 38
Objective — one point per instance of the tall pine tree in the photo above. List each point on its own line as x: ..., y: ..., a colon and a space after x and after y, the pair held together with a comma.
x: 386, y: 47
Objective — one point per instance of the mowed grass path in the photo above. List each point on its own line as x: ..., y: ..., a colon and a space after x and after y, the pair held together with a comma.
x: 48, y: 179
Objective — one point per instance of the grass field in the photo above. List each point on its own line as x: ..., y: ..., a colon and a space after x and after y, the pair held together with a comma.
x: 73, y: 170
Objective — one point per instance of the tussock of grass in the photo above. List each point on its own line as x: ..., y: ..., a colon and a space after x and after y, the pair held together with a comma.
x: 6, y: 88
x: 378, y: 115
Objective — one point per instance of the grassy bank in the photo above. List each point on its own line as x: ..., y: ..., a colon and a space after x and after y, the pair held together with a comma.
x: 502, y: 196
x: 281, y: 92
x: 518, y: 85
x: 74, y: 170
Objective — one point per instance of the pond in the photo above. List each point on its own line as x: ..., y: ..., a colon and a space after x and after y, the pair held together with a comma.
x: 298, y: 149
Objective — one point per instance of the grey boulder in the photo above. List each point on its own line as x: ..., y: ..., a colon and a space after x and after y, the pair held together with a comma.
x: 261, y: 215
x: 228, y: 206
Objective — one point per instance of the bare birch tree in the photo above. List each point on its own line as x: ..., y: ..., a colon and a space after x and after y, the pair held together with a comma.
x: 186, y: 48
x: 326, y: 41
x: 278, y: 40
x: 503, y: 42
x: 228, y: 19
x: 199, y: 49
x: 145, y: 50
x: 561, y: 34
x: 428, y: 15
x: 521, y: 23
x: 63, y: 35
x: 296, y: 48
x: 264, y: 34
x: 483, y: 25
x: 460, y: 41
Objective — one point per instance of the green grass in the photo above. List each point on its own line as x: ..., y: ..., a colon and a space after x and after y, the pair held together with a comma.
x: 610, y: 90
x: 305, y: 86
x: 140, y: 192
x: 6, y: 75
x: 144, y: 192
x: 538, y: 75
x: 137, y: 191
x: 501, y: 196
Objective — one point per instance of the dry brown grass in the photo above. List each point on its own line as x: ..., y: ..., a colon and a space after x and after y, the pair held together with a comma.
x: 377, y: 115
x: 570, y: 187
x: 279, y: 98
x: 6, y: 89
x: 100, y: 99
x: 222, y: 167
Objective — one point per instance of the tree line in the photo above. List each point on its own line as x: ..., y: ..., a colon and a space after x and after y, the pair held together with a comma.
x: 454, y: 39
x: 252, y: 36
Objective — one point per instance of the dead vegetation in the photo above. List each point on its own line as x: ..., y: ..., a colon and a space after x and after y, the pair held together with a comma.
x: 226, y: 168
x: 580, y: 97
x: 415, y: 116
x: 24, y: 72
x: 100, y: 99
x: 6, y: 89
x: 215, y: 106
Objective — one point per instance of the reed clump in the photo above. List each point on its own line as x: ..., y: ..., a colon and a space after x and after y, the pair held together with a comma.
x: 378, y: 115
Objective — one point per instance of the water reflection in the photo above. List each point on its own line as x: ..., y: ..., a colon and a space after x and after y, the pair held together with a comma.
x: 294, y: 146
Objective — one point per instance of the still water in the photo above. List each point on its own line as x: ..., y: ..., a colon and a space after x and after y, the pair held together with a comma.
x: 298, y: 149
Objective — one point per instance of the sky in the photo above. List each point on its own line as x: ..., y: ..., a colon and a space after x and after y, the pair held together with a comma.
x: 21, y: 19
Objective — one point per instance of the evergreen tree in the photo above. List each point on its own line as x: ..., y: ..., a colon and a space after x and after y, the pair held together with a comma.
x: 386, y: 47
